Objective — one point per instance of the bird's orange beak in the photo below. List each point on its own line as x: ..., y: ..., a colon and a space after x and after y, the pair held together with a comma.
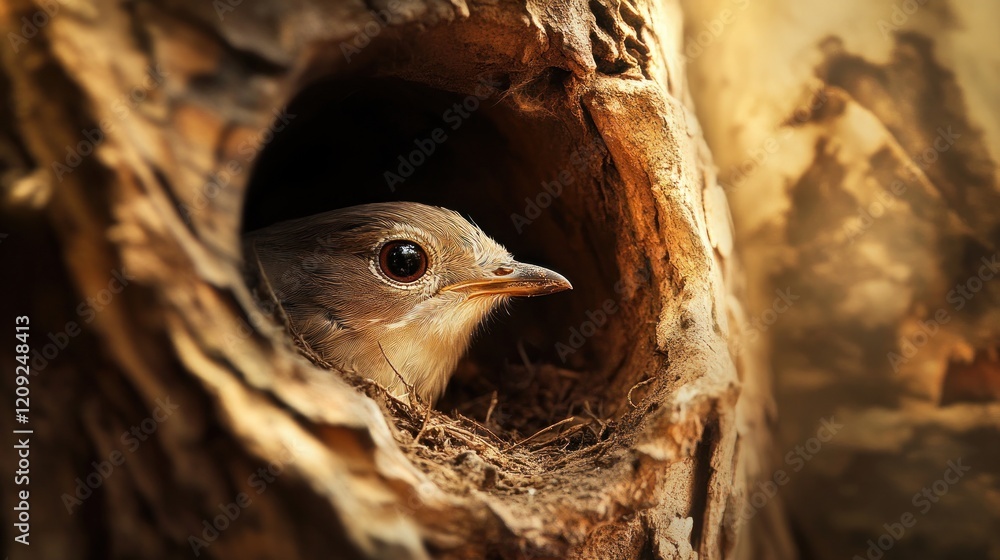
x: 516, y: 279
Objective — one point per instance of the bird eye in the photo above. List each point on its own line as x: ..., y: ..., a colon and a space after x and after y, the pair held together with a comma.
x: 403, y: 261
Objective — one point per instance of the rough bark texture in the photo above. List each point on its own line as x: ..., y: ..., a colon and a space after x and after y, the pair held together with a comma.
x: 859, y: 143
x: 658, y: 418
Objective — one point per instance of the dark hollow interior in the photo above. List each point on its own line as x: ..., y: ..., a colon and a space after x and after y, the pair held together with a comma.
x: 348, y: 133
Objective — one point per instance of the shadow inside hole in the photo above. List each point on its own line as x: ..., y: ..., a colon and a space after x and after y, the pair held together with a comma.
x: 349, y: 137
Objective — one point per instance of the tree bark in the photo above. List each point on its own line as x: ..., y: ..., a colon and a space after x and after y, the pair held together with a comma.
x: 173, y: 415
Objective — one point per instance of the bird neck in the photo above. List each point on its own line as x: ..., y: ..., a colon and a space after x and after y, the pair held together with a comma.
x: 425, y: 347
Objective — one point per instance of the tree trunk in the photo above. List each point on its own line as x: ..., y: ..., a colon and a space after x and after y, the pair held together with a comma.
x: 172, y: 414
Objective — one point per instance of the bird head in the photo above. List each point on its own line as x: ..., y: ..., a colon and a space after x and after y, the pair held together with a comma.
x: 394, y: 289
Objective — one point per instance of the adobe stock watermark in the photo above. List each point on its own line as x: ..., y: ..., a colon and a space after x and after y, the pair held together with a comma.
x: 597, y: 318
x: 414, y: 498
x: 33, y: 24
x: 886, y: 199
x: 132, y: 439
x: 959, y: 297
x: 766, y: 319
x: 759, y: 155
x: 380, y: 19
x: 901, y: 13
x: 796, y: 460
x: 246, y: 151
x: 943, y: 142
x: 44, y: 352
x: 711, y: 30
x: 229, y: 513
x: 455, y: 116
x: 94, y: 137
x: 551, y: 190
x: 223, y: 7
x: 243, y: 329
x: 867, y: 215
x: 290, y: 281
x: 923, y: 501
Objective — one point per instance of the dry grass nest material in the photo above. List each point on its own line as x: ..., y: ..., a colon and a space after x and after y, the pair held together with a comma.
x: 550, y: 426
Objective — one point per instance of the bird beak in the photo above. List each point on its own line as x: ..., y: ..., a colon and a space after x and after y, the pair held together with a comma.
x: 516, y: 279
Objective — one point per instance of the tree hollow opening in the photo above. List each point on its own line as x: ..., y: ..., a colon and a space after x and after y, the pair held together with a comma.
x: 533, y: 182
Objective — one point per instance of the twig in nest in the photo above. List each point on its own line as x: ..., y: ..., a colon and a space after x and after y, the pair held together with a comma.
x: 409, y: 388
x: 317, y: 359
x: 596, y: 450
x: 262, y: 277
x: 476, y: 424
x: 524, y: 358
x: 586, y: 409
x: 306, y: 348
x: 538, y: 433
x: 416, y: 439
x: 470, y: 439
x: 390, y: 399
x: 636, y: 386
x: 493, y: 405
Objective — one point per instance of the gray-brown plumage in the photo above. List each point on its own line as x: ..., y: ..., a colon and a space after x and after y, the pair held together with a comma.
x: 414, y: 279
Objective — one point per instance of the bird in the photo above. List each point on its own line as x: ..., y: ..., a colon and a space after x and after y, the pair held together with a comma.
x: 391, y: 291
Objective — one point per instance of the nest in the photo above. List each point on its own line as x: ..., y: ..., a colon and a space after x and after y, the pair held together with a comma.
x: 547, y: 426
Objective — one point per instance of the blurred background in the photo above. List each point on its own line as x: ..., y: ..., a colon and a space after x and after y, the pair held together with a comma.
x: 858, y: 143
